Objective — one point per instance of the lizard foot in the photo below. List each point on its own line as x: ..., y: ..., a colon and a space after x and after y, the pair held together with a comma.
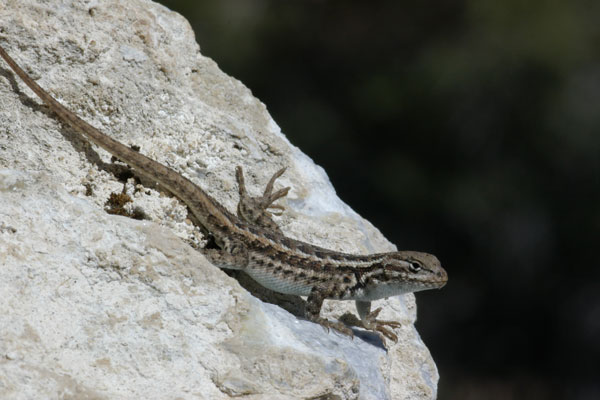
x: 337, y: 326
x: 268, y: 197
x: 255, y: 210
x: 382, y: 327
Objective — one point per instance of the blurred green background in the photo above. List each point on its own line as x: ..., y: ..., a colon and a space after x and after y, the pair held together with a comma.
x: 465, y: 128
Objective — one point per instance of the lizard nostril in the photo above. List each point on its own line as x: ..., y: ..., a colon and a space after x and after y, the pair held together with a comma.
x: 443, y: 275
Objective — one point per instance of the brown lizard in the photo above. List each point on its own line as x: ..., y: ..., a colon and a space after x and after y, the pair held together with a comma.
x: 252, y: 242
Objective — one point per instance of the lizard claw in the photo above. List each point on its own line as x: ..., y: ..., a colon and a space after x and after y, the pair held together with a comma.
x: 259, y: 210
x: 381, y: 326
x: 384, y: 329
x: 337, y: 326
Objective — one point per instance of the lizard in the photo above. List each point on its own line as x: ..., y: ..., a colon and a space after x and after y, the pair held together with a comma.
x: 251, y: 241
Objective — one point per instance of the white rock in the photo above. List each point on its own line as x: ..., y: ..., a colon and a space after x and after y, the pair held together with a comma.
x: 100, y: 306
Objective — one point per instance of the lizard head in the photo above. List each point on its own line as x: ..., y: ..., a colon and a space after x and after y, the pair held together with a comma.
x: 421, y: 271
x: 402, y: 272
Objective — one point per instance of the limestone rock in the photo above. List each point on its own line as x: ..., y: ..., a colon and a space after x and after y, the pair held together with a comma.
x: 100, y: 306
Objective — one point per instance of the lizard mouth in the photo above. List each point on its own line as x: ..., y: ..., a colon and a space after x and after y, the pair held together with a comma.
x: 436, y: 284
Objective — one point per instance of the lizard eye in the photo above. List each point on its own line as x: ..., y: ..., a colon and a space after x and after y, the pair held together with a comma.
x: 414, y: 267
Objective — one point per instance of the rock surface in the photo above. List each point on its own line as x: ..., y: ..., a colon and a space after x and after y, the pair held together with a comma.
x: 100, y: 306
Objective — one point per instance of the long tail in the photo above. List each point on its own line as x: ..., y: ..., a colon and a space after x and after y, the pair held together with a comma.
x: 200, y: 203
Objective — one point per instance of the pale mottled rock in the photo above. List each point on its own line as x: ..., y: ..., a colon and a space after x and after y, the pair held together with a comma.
x: 100, y: 306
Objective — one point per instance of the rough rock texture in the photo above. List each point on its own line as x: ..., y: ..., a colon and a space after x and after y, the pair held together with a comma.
x: 100, y: 306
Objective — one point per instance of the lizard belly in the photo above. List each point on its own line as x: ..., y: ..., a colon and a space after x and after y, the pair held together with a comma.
x: 279, y: 282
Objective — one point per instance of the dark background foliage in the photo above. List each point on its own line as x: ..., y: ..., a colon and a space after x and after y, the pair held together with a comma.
x: 466, y: 128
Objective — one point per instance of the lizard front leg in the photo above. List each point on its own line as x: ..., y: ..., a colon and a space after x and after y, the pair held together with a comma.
x: 313, y: 312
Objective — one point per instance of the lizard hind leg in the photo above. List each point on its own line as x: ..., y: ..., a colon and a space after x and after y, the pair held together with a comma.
x: 233, y: 256
x: 255, y: 210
